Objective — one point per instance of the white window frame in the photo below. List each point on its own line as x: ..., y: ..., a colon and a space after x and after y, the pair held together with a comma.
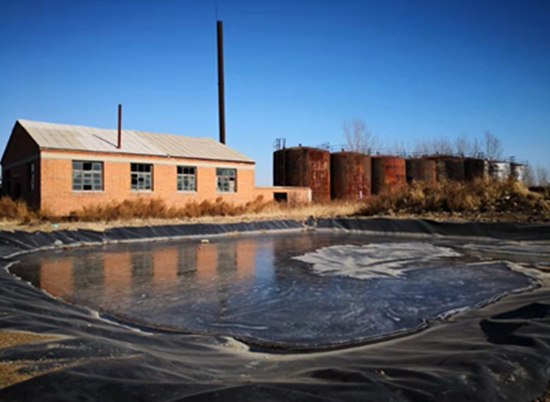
x: 141, y: 176
x: 87, y: 179
x: 226, y: 180
x: 186, y: 179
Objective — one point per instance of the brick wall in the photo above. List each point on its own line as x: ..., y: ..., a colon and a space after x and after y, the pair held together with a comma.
x: 294, y: 195
x: 59, y: 198
x: 53, y: 183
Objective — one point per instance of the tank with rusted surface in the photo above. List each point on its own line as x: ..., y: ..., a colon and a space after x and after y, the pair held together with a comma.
x: 420, y: 170
x: 388, y: 173
x: 304, y: 167
x: 475, y: 169
x: 518, y: 171
x: 279, y: 177
x: 350, y: 176
x: 448, y: 167
x: 499, y: 171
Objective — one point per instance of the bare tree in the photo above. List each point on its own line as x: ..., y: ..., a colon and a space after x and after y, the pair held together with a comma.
x: 422, y: 147
x: 358, y: 137
x: 493, y: 146
x: 542, y: 176
x: 529, y: 177
x: 475, y: 149
x: 399, y: 148
x: 462, y: 145
x: 443, y: 146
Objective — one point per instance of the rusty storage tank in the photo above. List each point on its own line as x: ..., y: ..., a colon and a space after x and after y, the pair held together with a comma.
x: 350, y: 175
x: 518, y: 171
x: 475, y: 168
x: 279, y: 177
x: 304, y: 167
x: 388, y: 173
x: 448, y: 167
x: 420, y: 170
x: 499, y: 171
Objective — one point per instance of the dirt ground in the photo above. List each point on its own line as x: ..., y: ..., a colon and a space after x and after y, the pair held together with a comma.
x: 12, y: 372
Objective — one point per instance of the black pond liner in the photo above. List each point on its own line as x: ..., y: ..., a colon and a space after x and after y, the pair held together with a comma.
x: 291, y: 291
x: 498, y: 353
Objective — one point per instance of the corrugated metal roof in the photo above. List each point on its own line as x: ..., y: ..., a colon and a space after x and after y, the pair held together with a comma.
x: 82, y: 138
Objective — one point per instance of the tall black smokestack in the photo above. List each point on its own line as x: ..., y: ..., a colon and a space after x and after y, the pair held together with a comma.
x: 221, y: 84
x: 119, y: 131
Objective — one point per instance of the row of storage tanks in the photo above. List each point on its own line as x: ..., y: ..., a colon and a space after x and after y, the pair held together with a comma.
x: 354, y: 176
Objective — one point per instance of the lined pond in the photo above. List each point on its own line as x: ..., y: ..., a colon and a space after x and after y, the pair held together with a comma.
x: 295, y: 290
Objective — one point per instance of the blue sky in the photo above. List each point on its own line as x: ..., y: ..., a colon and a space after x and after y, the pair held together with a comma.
x: 413, y: 70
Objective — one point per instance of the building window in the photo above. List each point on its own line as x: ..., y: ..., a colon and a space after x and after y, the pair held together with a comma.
x: 87, y: 176
x: 187, y: 178
x: 226, y: 180
x: 31, y: 175
x: 142, y: 176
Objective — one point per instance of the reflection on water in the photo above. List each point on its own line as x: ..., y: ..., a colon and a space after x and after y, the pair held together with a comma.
x: 115, y: 272
x: 256, y: 288
x: 118, y: 274
x: 56, y: 276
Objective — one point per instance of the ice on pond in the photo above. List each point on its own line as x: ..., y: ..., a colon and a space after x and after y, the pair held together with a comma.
x: 295, y: 290
x: 377, y: 260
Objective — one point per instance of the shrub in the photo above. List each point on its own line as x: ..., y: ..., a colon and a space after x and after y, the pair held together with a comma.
x: 476, y: 198
x: 457, y: 197
x: 16, y: 211
x: 156, y: 208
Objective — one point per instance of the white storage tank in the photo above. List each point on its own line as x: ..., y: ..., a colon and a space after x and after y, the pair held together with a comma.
x: 518, y: 171
x: 499, y: 170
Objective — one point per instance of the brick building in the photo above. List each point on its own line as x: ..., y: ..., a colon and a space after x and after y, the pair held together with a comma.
x: 61, y: 168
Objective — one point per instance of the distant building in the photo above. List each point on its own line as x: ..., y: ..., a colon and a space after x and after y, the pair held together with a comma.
x: 62, y: 168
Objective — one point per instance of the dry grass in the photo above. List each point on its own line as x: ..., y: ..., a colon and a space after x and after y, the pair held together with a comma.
x: 542, y: 190
x: 157, y: 209
x: 477, y: 198
x: 11, y: 210
x: 258, y: 209
x: 16, y: 215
